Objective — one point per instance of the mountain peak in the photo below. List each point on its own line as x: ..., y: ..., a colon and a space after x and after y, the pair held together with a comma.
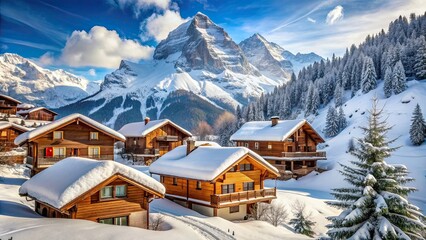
x: 200, y: 20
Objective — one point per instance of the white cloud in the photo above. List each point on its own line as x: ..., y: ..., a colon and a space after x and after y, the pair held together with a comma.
x: 158, y: 26
x: 101, y: 47
x: 334, y: 15
x: 92, y: 72
x: 311, y: 20
x: 46, y: 59
x: 139, y: 5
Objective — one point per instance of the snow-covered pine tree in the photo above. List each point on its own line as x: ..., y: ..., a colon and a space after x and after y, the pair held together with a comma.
x: 399, y: 79
x: 308, y: 99
x: 315, y: 102
x: 375, y: 204
x: 368, y: 77
x: 342, y: 119
x: 420, y: 61
x: 418, y: 127
x: 332, y: 123
x: 387, y: 85
x: 301, y: 221
x: 338, y: 95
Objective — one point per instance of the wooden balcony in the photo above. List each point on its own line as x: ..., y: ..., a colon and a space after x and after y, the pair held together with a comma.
x: 305, y: 154
x: 43, y: 162
x: 222, y: 200
x: 167, y: 138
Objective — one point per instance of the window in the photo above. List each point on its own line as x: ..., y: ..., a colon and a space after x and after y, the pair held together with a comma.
x: 256, y: 145
x: 120, y: 191
x: 4, y: 133
x: 162, y: 179
x: 234, y: 209
x: 198, y: 185
x: 122, y: 221
x: 58, y: 135
x: 269, y: 146
x: 228, y: 188
x: 233, y: 169
x: 94, y: 135
x: 94, y: 151
x: 246, y: 167
x: 135, y: 142
x: 289, y: 148
x: 106, y: 192
x: 277, y: 162
x: 59, y: 152
x: 246, y: 145
x: 174, y: 181
x: 247, y: 186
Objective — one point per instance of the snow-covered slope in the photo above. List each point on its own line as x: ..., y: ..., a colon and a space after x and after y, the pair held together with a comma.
x: 24, y: 80
x: 398, y: 110
x: 198, y: 57
x: 272, y: 60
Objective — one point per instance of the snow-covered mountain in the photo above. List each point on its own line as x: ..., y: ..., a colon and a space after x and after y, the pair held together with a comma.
x: 199, y: 59
x: 272, y: 60
x: 25, y: 81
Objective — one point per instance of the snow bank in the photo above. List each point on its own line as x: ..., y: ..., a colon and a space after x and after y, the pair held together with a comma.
x: 48, y: 127
x: 203, y: 163
x: 69, y: 178
x: 140, y: 129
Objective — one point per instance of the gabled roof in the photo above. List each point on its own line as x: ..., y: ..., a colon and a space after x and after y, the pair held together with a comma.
x: 63, y: 122
x: 9, y: 98
x: 140, y: 129
x: 27, y: 111
x: 72, y: 177
x: 4, y: 125
x: 264, y: 131
x: 204, y: 162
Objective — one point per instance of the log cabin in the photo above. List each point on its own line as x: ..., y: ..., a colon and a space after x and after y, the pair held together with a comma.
x: 8, y: 133
x: 38, y: 113
x: 73, y: 135
x: 8, y: 105
x: 289, y: 145
x: 214, y: 180
x: 101, y: 191
x: 152, y: 139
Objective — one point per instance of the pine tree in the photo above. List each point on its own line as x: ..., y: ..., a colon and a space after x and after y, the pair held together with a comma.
x: 387, y: 86
x: 399, y: 79
x: 301, y: 221
x: 338, y: 95
x: 418, y: 127
x: 376, y: 204
x: 332, y: 123
x: 420, y: 61
x: 368, y: 77
x: 342, y: 119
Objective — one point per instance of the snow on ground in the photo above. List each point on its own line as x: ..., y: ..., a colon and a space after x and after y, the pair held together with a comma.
x: 18, y: 220
x: 398, y: 113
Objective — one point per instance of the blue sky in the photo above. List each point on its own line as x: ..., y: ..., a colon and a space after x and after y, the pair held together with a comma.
x: 89, y: 38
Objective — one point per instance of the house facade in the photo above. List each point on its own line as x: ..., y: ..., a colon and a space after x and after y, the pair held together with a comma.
x: 152, y: 139
x: 74, y: 135
x: 101, y: 191
x: 214, y: 180
x: 8, y: 105
x: 8, y: 133
x: 289, y: 145
x: 38, y: 113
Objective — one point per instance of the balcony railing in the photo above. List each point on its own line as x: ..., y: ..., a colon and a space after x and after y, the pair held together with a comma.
x: 168, y: 138
x: 47, y: 161
x: 304, y: 154
x: 245, y: 196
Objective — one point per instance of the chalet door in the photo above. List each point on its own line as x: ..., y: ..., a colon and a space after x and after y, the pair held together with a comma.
x: 75, y: 152
x: 289, y: 148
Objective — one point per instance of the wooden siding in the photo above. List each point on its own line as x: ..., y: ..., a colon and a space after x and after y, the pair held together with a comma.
x: 41, y: 114
x: 7, y: 106
x: 7, y: 137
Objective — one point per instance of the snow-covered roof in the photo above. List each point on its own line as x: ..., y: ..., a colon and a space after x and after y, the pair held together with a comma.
x: 4, y: 125
x: 58, y: 123
x: 27, y: 111
x: 25, y: 105
x: 140, y: 129
x: 9, y: 98
x: 71, y: 177
x: 264, y: 131
x: 203, y: 163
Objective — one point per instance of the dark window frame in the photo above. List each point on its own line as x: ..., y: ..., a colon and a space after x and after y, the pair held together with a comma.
x: 248, y: 186
x: 227, y: 188
x: 114, y: 196
x: 175, y: 181
x: 246, y: 167
x: 198, y: 185
x: 234, y: 209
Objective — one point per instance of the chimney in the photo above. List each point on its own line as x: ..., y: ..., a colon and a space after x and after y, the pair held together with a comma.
x: 274, y: 120
x: 190, y: 146
x: 147, y: 120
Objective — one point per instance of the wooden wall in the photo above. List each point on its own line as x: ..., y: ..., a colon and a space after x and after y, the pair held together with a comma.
x: 8, y: 140
x: 41, y: 114
x: 7, y: 106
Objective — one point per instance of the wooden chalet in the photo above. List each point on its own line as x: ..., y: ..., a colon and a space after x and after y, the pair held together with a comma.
x: 152, y: 139
x: 8, y: 105
x: 8, y: 133
x: 290, y: 145
x: 38, y: 113
x: 73, y: 135
x: 214, y: 180
x: 101, y: 191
